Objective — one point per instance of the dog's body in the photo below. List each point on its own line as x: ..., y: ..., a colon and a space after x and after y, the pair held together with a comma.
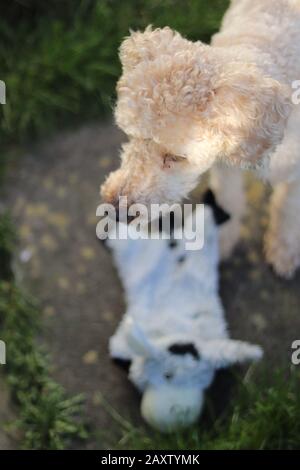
x: 272, y: 35
x: 188, y: 107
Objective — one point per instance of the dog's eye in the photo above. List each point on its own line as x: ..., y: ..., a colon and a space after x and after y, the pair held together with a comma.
x: 168, y: 158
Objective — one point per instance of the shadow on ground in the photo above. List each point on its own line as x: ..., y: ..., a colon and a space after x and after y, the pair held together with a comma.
x: 53, y: 194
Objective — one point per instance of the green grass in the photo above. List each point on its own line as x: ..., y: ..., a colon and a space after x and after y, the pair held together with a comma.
x: 61, y: 63
x: 48, y: 419
x: 265, y: 415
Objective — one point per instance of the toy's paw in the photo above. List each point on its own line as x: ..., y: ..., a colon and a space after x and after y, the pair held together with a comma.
x: 228, y: 236
x: 283, y: 256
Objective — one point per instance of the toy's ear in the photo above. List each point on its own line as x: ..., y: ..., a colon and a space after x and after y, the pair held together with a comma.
x: 149, y: 44
x: 139, y: 342
x: 225, y: 352
x: 220, y: 215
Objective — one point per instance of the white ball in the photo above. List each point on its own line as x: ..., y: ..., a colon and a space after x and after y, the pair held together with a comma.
x: 168, y: 407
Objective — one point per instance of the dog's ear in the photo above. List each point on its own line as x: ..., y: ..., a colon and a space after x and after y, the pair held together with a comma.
x: 149, y: 44
x: 255, y: 106
x: 220, y: 215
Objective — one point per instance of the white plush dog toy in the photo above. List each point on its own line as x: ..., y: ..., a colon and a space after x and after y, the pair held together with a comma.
x: 173, y: 336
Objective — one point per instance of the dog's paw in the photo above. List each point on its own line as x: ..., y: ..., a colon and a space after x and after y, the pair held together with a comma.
x: 283, y: 256
x: 228, y: 237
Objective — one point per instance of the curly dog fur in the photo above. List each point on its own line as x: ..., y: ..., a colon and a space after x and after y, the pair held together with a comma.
x: 188, y: 107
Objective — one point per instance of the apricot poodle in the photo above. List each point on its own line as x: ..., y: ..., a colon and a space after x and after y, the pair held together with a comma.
x: 188, y: 107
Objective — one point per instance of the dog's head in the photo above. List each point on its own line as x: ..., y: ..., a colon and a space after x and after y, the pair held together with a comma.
x: 149, y: 174
x: 184, y: 105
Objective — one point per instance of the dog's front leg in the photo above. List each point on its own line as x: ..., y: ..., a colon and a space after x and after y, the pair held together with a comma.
x: 282, y: 241
x: 227, y: 184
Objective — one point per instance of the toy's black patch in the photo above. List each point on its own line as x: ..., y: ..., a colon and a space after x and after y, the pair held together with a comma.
x: 173, y: 244
x: 122, y: 363
x: 169, y: 375
x: 104, y: 244
x: 220, y: 215
x: 184, y: 348
x: 181, y: 259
